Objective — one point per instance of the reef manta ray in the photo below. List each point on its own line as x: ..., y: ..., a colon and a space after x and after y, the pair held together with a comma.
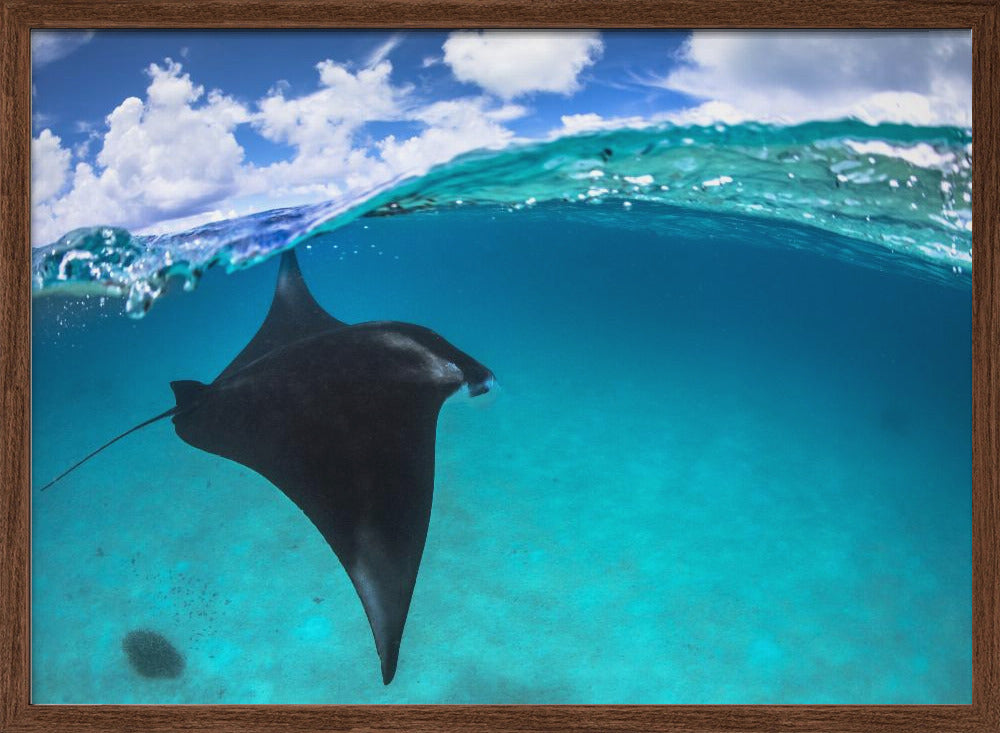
x: 342, y: 418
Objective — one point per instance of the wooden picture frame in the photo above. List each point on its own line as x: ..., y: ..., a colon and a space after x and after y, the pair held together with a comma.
x: 20, y: 16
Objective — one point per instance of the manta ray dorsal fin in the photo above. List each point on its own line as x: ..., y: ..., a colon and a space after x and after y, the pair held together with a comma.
x: 294, y: 314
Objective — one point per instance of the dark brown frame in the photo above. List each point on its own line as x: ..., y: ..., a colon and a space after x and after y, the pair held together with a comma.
x: 19, y: 16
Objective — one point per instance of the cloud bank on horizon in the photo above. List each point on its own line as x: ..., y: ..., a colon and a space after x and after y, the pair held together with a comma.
x: 181, y: 155
x: 913, y: 78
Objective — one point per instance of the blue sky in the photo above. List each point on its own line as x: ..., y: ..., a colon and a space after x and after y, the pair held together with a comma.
x: 162, y: 130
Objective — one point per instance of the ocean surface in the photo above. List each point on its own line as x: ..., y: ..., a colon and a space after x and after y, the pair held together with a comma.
x: 728, y: 460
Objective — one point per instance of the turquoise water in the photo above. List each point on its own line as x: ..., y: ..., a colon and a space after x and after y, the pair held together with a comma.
x: 728, y: 461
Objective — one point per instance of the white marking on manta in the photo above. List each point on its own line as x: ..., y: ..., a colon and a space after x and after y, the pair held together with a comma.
x: 439, y: 368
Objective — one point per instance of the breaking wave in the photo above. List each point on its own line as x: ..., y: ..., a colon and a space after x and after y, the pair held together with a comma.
x: 891, y: 196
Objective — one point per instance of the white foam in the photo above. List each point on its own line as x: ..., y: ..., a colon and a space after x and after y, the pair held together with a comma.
x: 644, y: 180
x: 720, y: 181
x: 922, y: 155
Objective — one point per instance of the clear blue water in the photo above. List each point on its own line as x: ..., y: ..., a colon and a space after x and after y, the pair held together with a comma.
x: 728, y: 462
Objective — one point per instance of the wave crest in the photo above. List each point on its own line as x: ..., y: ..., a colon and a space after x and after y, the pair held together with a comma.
x: 897, y: 189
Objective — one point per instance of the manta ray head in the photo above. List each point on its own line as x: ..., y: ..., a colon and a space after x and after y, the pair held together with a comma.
x: 435, y: 358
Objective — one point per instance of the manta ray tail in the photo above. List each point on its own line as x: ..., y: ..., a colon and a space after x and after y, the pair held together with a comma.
x: 114, y: 440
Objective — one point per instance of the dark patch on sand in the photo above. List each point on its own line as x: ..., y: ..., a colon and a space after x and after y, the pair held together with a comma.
x: 151, y: 655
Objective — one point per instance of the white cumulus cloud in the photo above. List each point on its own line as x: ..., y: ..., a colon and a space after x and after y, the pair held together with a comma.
x: 344, y: 102
x: 916, y: 77
x: 453, y: 126
x: 169, y: 156
x: 326, y: 129
x: 49, y: 166
x: 171, y: 160
x: 513, y: 63
x: 322, y: 127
